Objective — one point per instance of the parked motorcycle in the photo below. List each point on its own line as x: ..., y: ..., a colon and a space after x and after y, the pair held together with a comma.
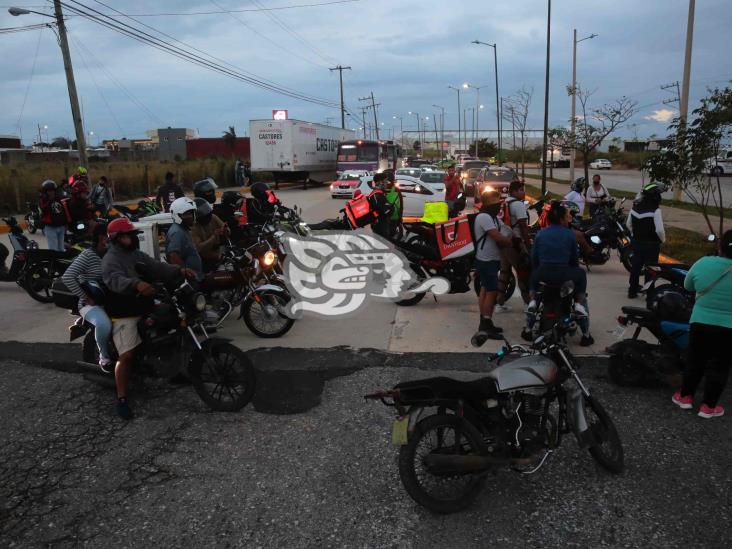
x: 512, y: 418
x: 606, y: 232
x: 554, y: 302
x: 33, y: 217
x: 246, y: 279
x: 635, y: 362
x: 175, y: 341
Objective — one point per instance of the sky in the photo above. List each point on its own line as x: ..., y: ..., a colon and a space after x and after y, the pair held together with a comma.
x: 406, y: 52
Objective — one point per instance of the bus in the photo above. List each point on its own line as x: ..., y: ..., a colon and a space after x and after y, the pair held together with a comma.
x: 372, y: 156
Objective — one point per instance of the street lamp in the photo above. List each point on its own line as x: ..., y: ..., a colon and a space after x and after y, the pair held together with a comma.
x: 498, y: 112
x: 416, y: 114
x: 460, y: 137
x: 478, y: 106
x: 442, y: 127
x: 70, y: 82
x: 401, y: 128
x: 574, y: 97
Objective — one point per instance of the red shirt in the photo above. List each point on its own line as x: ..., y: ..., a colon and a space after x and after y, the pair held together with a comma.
x: 452, y: 187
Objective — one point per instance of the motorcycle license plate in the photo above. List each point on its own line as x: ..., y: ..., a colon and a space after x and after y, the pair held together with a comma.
x: 399, y: 431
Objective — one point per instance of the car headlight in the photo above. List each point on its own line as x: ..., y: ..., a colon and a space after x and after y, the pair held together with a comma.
x: 269, y: 258
x: 199, y: 301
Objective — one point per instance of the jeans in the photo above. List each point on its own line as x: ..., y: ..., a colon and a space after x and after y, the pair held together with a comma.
x: 55, y: 237
x: 644, y: 253
x: 708, y: 357
x: 97, y: 316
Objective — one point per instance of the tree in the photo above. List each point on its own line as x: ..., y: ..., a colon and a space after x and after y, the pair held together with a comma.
x: 486, y: 149
x: 594, y: 125
x: 687, y: 162
x: 230, y: 138
x: 60, y: 143
x: 518, y: 114
x: 417, y: 146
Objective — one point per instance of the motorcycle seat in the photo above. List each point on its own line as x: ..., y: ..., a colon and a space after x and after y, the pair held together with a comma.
x: 638, y: 312
x: 445, y: 388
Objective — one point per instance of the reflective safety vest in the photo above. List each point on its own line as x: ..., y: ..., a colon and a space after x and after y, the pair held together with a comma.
x: 395, y: 199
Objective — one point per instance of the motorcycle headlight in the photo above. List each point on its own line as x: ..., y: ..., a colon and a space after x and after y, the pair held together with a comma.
x: 269, y: 258
x: 199, y: 301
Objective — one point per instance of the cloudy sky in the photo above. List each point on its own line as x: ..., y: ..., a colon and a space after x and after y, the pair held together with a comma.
x: 406, y: 51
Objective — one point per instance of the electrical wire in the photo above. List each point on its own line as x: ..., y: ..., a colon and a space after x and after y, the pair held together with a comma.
x: 186, y: 55
x: 249, y: 10
x: 11, y: 30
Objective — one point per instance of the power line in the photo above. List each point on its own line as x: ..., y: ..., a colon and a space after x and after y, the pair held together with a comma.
x: 27, y: 88
x: 186, y: 55
x: 11, y: 30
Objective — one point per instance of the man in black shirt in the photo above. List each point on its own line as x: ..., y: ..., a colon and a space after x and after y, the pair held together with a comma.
x: 646, y: 228
x: 168, y: 192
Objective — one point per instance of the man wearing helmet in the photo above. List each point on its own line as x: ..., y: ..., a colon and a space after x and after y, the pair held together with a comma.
x: 128, y: 297
x: 645, y: 223
x: 261, y: 207
x: 168, y: 192
x: 207, y: 233
x: 206, y: 189
x: 80, y: 207
x: 227, y: 208
x: 54, y: 216
x: 576, y: 194
x: 180, y: 249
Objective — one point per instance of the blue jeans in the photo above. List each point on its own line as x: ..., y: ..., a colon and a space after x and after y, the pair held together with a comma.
x: 55, y: 237
x: 97, y: 316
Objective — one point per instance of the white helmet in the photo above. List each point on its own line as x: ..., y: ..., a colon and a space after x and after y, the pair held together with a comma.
x: 180, y: 206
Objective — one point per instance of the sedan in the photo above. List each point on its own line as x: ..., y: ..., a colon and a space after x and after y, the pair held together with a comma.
x: 346, y: 183
x: 411, y: 172
x: 601, y: 164
x: 496, y: 177
x: 468, y: 178
x: 436, y: 179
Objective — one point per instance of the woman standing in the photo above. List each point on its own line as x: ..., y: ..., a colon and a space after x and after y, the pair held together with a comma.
x: 596, y: 195
x: 54, y: 216
x: 710, y: 331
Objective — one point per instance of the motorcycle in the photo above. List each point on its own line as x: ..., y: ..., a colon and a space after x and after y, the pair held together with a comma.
x: 514, y: 417
x: 606, y: 232
x: 553, y: 302
x: 33, y: 217
x: 175, y: 341
x: 246, y: 279
x: 635, y: 362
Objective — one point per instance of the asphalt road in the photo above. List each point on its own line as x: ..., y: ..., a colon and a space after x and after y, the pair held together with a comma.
x: 326, y: 476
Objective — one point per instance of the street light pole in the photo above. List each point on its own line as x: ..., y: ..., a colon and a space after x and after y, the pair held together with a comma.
x: 460, y: 137
x: 684, y: 100
x: 70, y: 82
x: 401, y: 128
x: 574, y: 99
x: 442, y: 128
x: 498, y: 115
x: 546, y: 93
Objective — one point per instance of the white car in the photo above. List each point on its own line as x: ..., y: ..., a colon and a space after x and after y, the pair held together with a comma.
x: 415, y: 193
x: 346, y: 183
x: 601, y: 164
x: 410, y: 172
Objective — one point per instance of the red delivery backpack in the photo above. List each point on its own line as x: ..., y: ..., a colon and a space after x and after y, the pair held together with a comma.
x: 359, y: 212
x: 454, y: 237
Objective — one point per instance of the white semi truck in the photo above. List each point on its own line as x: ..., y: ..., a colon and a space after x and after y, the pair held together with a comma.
x: 294, y: 150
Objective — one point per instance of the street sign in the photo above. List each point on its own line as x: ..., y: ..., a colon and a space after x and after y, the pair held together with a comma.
x: 279, y: 114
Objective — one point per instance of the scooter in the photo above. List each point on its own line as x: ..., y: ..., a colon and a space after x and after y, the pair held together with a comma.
x: 33, y: 218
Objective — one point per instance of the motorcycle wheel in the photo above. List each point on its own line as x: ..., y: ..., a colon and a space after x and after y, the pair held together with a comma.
x: 223, y: 377
x: 443, y: 434
x: 626, y: 257
x: 264, y: 317
x: 627, y: 369
x: 38, y: 279
x: 608, y: 452
x: 415, y: 297
x: 32, y: 227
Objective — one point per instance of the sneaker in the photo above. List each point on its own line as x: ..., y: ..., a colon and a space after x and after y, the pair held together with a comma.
x: 106, y: 365
x: 587, y: 340
x: 580, y: 309
x: 502, y: 308
x: 683, y: 402
x: 526, y: 335
x: 123, y: 409
x: 706, y: 412
x: 531, y: 307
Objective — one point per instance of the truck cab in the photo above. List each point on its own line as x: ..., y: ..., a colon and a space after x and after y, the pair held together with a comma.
x: 720, y: 164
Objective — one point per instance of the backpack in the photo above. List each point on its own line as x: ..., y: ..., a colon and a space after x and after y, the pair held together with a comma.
x: 505, y: 213
x: 359, y: 211
x: 479, y: 242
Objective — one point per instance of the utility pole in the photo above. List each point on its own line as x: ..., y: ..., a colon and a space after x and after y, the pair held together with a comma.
x: 442, y: 127
x: 574, y: 99
x: 546, y: 94
x: 437, y: 137
x: 363, y: 120
x: 376, y: 123
x: 373, y: 106
x: 684, y: 103
x: 343, y: 108
x: 71, y: 83
x: 460, y: 137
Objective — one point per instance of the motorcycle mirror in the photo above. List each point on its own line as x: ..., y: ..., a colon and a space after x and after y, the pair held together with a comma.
x: 712, y: 238
x: 595, y: 239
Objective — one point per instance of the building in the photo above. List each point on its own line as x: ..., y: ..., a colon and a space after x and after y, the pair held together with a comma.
x: 172, y: 143
x: 10, y: 142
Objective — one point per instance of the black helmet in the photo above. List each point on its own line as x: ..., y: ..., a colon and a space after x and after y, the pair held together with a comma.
x: 230, y: 198
x: 674, y: 307
x: 652, y: 190
x: 203, y: 207
x: 206, y: 189
x: 579, y: 184
x: 48, y: 185
x: 259, y: 190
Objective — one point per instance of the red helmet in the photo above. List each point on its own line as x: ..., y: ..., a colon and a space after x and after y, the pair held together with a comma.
x: 120, y: 225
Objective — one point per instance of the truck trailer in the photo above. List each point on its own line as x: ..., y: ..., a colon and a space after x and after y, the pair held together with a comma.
x: 294, y: 150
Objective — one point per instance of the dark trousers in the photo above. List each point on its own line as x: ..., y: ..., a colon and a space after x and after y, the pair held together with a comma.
x: 644, y: 253
x: 708, y: 357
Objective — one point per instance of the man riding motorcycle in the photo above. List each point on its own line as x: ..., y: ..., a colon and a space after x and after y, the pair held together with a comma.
x: 206, y: 189
x: 180, y: 248
x: 262, y: 205
x: 128, y: 298
x: 207, y: 233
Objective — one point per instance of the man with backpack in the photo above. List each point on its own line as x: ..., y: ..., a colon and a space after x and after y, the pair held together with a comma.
x: 380, y: 206
x: 515, y: 257
x: 488, y: 238
x: 395, y: 199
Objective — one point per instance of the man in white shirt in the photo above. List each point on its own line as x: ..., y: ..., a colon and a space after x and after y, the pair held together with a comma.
x: 516, y: 256
x: 576, y: 194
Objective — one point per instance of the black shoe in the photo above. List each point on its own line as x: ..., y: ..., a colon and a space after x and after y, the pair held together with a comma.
x: 495, y: 334
x: 632, y: 294
x: 123, y: 409
x: 526, y: 335
x: 586, y: 340
x: 76, y: 331
x: 486, y: 325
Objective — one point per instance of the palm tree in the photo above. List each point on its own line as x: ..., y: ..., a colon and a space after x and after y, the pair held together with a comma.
x: 230, y: 138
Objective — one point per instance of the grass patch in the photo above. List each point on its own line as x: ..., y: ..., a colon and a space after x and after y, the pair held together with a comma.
x: 684, y: 245
x: 688, y: 206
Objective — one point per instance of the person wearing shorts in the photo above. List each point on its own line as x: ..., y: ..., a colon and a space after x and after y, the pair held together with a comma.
x: 488, y: 240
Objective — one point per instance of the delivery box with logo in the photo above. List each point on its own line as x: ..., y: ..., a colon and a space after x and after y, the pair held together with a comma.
x: 454, y: 238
